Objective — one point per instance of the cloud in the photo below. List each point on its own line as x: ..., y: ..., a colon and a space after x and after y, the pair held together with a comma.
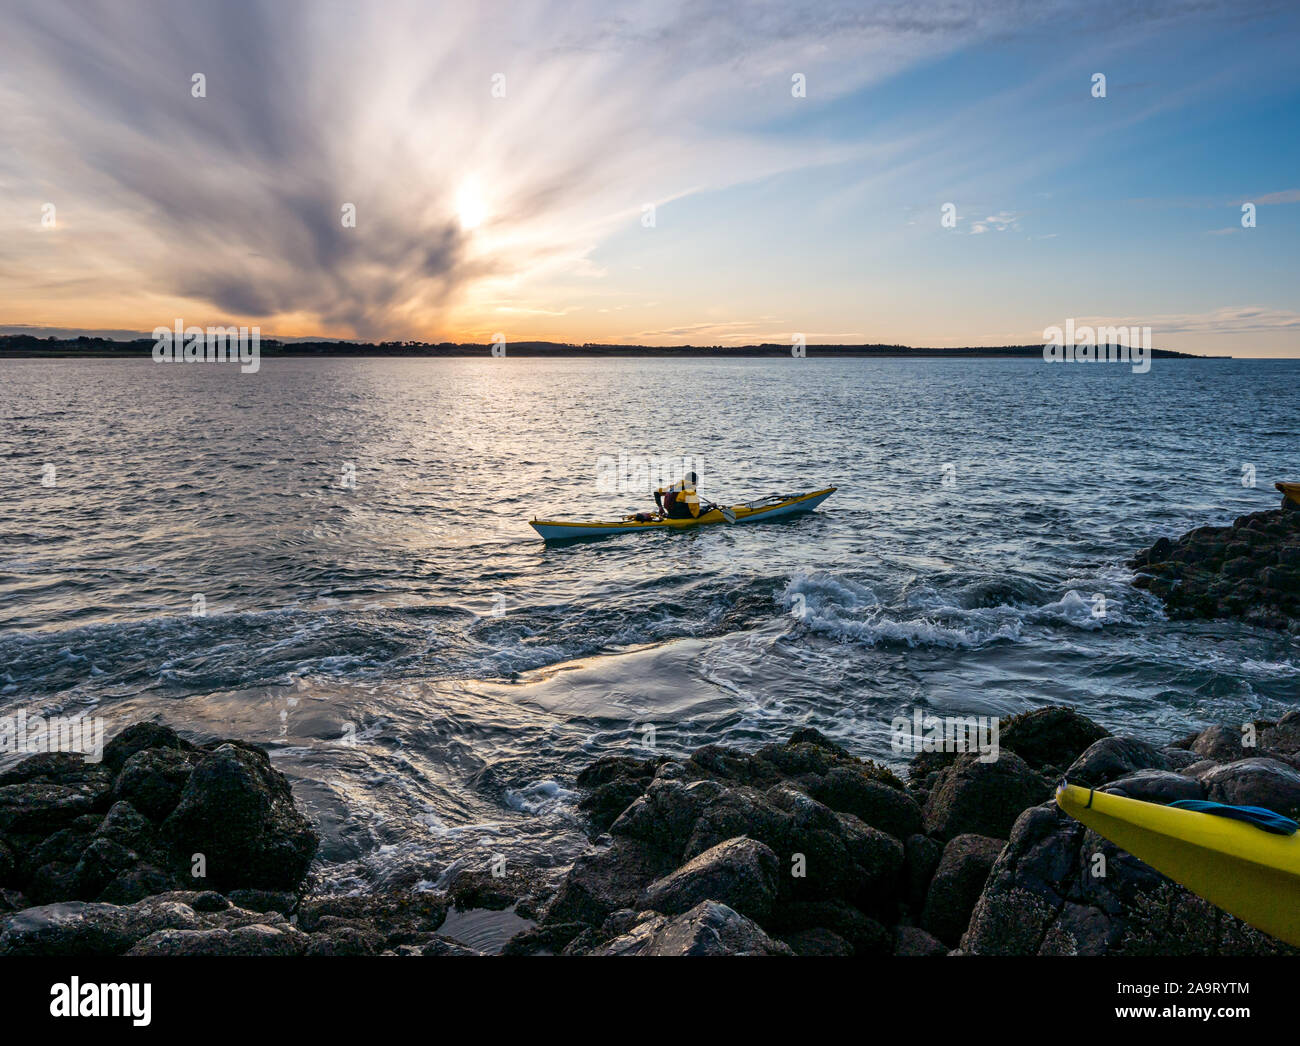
x: 1000, y: 222
x: 233, y: 202
x: 1230, y: 319
x: 1286, y: 196
x: 229, y: 206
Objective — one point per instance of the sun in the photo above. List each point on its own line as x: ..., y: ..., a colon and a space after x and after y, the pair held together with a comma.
x: 471, y: 210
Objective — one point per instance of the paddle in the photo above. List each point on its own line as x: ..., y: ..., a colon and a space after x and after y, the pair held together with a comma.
x: 727, y: 514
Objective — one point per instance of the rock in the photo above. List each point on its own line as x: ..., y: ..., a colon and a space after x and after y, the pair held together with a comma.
x: 152, y: 780
x: 136, y: 883
x: 1178, y: 758
x: 126, y: 826
x: 740, y: 873
x: 64, y: 846
x: 739, y: 811
x: 446, y: 946
x: 1156, y: 786
x: 733, y: 767
x: 8, y: 863
x: 876, y: 873
x: 256, y: 939
x: 53, y: 882
x: 1283, y: 737
x: 239, y: 813
x: 101, y: 863
x: 613, y: 783
x: 1024, y: 894
x: 1112, y: 758
x: 982, y: 798
x: 911, y: 940
x: 823, y: 854
x: 881, y: 806
x: 264, y: 900
x: 1221, y: 744
x: 77, y: 929
x: 864, y: 935
x: 1044, y: 897
x: 479, y: 888
x: 1049, y: 738
x: 707, y: 929
x: 665, y: 815
x: 1246, y: 570
x: 341, y: 940
x: 67, y: 769
x: 921, y: 858
x: 547, y: 939
x: 818, y: 941
x: 396, y: 917
x: 1255, y: 782
x: 39, y: 808
x: 958, y: 883
x: 604, y: 881
x: 137, y: 738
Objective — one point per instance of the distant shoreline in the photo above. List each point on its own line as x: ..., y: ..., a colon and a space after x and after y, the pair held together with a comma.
x: 24, y: 346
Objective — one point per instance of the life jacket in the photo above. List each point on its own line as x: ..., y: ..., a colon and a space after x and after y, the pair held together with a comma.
x: 679, y: 500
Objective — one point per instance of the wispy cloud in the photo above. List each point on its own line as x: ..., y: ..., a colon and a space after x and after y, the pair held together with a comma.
x: 1231, y: 319
x: 1000, y: 222
x: 234, y: 200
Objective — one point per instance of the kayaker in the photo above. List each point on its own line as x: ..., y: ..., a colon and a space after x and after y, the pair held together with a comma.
x: 679, y: 500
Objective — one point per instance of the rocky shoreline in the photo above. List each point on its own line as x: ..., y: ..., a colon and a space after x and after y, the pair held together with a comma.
x: 798, y: 848
x: 1249, y: 570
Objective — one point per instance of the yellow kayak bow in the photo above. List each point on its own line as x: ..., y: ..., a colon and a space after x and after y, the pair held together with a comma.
x: 1246, y: 871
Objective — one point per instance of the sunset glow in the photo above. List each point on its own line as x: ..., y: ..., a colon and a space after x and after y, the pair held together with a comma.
x: 502, y: 170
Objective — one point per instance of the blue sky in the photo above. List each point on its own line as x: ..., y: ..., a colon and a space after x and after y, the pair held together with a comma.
x: 524, y: 212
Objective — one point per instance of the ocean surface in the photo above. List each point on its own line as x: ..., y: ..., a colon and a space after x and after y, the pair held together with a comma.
x: 431, y: 676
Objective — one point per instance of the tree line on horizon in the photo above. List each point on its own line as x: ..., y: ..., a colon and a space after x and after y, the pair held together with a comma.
x: 31, y: 345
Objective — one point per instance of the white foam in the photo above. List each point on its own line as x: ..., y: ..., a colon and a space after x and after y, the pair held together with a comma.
x: 848, y: 610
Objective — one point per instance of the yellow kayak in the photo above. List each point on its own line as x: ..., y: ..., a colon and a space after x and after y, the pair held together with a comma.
x: 776, y: 506
x: 1247, y: 871
x: 1291, y: 491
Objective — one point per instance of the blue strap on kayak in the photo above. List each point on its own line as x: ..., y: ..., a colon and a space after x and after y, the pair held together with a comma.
x: 1256, y: 815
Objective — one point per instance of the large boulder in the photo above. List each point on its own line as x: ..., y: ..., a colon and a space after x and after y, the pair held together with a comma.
x: 238, y: 812
x: 1255, y: 782
x: 1112, y: 758
x: 957, y: 884
x: 1049, y: 738
x: 609, y: 878
x: 740, y: 873
x: 1058, y: 888
x: 1157, y: 786
x: 1222, y: 744
x: 982, y: 798
x: 665, y: 815
x: 873, y: 802
x: 709, y: 928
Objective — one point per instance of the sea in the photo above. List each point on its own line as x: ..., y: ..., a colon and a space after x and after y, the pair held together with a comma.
x: 332, y: 558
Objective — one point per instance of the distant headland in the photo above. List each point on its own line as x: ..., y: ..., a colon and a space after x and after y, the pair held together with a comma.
x: 31, y: 346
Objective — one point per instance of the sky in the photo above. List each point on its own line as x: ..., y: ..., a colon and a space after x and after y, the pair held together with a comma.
x: 654, y: 173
